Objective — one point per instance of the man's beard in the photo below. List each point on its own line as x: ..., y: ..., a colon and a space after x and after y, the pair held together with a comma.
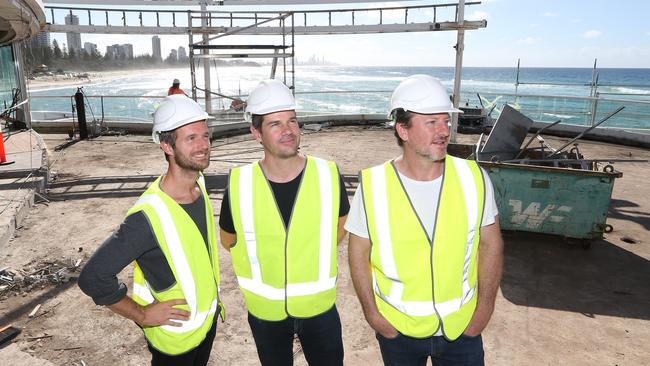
x: 432, y: 156
x: 186, y: 162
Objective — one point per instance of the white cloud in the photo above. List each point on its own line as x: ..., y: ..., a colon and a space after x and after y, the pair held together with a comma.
x: 477, y: 15
x: 528, y: 40
x: 576, y: 20
x: 591, y: 34
x: 647, y: 34
x: 549, y: 14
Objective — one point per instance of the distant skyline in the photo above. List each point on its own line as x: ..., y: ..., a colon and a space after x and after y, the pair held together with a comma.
x: 552, y: 33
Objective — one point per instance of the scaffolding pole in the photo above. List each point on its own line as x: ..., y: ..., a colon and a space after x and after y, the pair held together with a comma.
x: 460, y: 46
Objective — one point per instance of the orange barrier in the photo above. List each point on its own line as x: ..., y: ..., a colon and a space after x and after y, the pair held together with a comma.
x: 3, y: 156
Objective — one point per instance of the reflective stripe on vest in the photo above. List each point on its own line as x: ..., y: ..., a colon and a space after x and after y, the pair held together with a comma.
x: 380, y: 201
x: 168, y: 236
x: 243, y: 183
x: 181, y: 265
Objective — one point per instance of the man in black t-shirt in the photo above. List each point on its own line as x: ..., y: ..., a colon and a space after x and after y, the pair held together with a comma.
x: 281, y: 219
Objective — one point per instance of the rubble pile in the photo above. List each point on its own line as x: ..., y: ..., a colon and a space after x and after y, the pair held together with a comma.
x: 37, y: 275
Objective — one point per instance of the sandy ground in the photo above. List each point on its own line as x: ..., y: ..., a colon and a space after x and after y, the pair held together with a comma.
x: 558, y: 303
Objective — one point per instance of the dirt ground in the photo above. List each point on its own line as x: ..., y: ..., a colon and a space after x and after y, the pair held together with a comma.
x: 558, y: 303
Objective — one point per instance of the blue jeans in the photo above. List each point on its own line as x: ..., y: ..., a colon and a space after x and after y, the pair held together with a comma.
x: 407, y: 351
x: 320, y: 337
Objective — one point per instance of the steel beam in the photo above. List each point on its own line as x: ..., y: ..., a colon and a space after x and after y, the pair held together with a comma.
x: 208, y: 2
x: 299, y: 30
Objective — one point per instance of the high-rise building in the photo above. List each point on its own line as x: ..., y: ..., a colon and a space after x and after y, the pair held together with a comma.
x: 173, y: 55
x: 112, y: 52
x: 156, y: 51
x: 127, y: 50
x: 182, y: 55
x: 42, y: 39
x: 90, y: 48
x: 74, y: 39
x: 120, y: 51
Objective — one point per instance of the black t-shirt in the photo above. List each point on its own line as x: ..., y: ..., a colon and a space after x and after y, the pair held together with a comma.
x: 285, y: 196
x: 133, y: 240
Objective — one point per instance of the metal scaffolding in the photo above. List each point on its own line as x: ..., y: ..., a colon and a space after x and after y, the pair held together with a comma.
x: 213, y: 25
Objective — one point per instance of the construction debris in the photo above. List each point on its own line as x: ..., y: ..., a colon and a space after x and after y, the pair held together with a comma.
x: 31, y: 315
x: 7, y: 333
x: 315, y: 127
x: 37, y: 275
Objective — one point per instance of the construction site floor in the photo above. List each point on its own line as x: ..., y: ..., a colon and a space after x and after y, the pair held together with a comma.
x: 558, y: 303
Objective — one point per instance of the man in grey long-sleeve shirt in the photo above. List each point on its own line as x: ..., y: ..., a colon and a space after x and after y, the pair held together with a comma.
x: 170, y: 235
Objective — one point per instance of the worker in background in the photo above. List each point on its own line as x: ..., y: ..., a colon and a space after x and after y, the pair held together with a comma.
x: 425, y: 247
x: 281, y: 219
x: 170, y: 236
x: 175, y: 88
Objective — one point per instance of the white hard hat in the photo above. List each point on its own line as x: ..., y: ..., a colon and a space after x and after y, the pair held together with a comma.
x: 175, y: 111
x: 269, y: 96
x: 421, y: 94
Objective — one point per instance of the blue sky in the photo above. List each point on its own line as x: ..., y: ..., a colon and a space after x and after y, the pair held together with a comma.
x: 550, y: 33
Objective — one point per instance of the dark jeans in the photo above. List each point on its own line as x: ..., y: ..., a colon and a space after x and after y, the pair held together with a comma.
x: 319, y: 336
x: 407, y: 351
x: 195, y: 357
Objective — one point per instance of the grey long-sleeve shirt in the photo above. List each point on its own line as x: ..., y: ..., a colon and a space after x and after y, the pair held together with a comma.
x: 133, y: 240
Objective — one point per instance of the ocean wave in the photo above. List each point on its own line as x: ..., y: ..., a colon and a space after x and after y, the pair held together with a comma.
x: 561, y: 116
x: 627, y: 90
x: 337, y: 107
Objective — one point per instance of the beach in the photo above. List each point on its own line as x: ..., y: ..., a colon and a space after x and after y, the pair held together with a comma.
x: 74, y: 79
x: 558, y: 303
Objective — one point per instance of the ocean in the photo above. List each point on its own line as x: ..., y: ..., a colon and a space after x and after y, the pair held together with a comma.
x: 347, y: 90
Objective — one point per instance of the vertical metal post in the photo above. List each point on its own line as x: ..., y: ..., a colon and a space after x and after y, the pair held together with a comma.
x: 81, y: 114
x: 460, y: 46
x: 593, y: 93
x: 517, y: 82
x: 19, y: 64
x: 101, y: 100
x: 284, y: 50
x: 206, y: 61
x: 293, y: 55
x: 191, y: 51
x: 274, y: 64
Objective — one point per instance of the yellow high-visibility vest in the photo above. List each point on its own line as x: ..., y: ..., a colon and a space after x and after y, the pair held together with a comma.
x: 422, y: 286
x: 286, y: 271
x: 195, y: 268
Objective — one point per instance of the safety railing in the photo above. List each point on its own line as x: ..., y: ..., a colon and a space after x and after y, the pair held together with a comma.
x: 573, y: 110
x: 110, y: 20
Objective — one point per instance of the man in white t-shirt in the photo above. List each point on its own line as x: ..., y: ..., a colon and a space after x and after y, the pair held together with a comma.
x: 425, y: 251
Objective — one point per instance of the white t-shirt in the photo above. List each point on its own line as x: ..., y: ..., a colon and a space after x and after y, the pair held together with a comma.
x: 424, y: 197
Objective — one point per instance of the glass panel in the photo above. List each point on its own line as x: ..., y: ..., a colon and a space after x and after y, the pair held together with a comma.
x: 7, y: 76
